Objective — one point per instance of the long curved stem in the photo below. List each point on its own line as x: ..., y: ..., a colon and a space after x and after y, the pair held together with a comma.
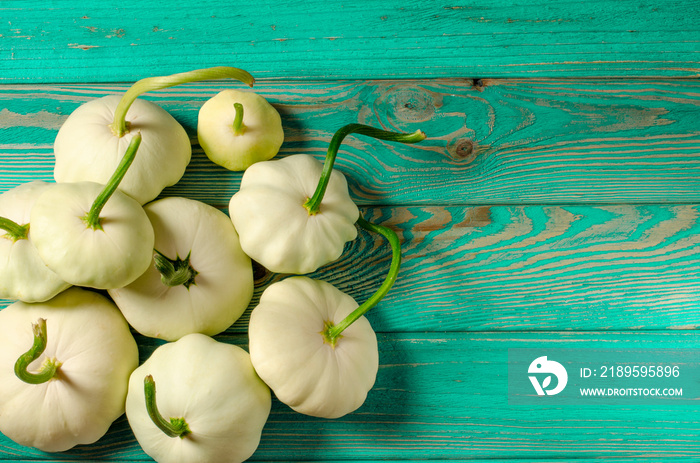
x: 48, y: 369
x: 175, y: 427
x: 14, y: 230
x: 119, y: 125
x: 313, y: 204
x: 332, y: 332
x: 92, y: 219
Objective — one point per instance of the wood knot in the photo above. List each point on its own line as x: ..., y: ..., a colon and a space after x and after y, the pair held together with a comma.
x: 408, y: 104
x: 464, y: 150
x: 480, y: 84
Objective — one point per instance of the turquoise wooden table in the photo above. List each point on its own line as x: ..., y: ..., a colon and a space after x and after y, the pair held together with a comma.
x: 555, y: 204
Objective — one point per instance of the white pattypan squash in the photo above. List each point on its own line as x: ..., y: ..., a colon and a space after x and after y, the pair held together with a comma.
x: 108, y: 257
x: 23, y: 275
x: 91, y: 234
x: 90, y: 343
x: 209, y: 403
x: 276, y: 229
x: 295, y: 214
x: 290, y: 353
x: 201, y: 281
x: 87, y: 150
x: 311, y: 343
x: 237, y: 128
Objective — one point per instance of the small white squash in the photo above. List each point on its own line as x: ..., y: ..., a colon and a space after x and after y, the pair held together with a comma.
x: 290, y: 353
x: 238, y: 128
x: 23, y: 275
x: 276, y: 229
x: 92, y: 234
x: 87, y: 150
x: 89, y: 341
x: 311, y: 343
x: 295, y: 214
x: 209, y: 401
x: 201, y: 281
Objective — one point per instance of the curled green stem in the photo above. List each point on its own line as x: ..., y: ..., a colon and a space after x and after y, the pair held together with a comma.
x: 14, y: 230
x: 238, y: 127
x: 174, y: 272
x: 313, y: 204
x: 92, y: 219
x: 333, y: 332
x: 174, y: 427
x: 49, y: 368
x: 119, y: 125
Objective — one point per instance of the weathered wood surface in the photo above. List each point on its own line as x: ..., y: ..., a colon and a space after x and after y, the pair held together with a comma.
x: 444, y: 396
x: 67, y: 41
x: 527, y: 268
x: 514, y: 231
x: 515, y: 268
x: 490, y: 142
x: 555, y: 204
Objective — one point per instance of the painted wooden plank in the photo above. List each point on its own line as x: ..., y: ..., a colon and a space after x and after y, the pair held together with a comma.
x: 512, y: 268
x: 490, y: 142
x: 445, y: 396
x: 526, y: 268
x: 68, y: 41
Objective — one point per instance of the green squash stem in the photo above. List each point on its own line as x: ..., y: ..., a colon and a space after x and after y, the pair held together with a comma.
x: 333, y: 332
x: 238, y: 127
x: 174, y: 427
x: 174, y: 272
x: 14, y: 230
x: 313, y: 204
x: 119, y: 125
x: 92, y: 219
x: 49, y: 368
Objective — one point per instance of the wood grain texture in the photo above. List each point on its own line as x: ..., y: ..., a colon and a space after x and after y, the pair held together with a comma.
x: 528, y: 268
x: 518, y: 268
x: 490, y: 142
x: 68, y: 41
x: 445, y: 396
x: 542, y: 212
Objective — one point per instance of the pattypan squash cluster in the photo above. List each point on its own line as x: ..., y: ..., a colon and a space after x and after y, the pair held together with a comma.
x: 182, y: 271
x: 90, y: 142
